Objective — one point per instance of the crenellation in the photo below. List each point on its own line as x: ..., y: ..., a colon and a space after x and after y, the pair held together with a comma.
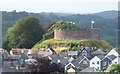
x: 76, y: 34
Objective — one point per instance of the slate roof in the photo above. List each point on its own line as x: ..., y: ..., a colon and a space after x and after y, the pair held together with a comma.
x: 98, y: 52
x: 112, y: 57
x: 24, y: 56
x: 88, y: 49
x: 26, y: 51
x: 89, y: 69
x: 58, y: 59
x: 72, y: 52
x: 70, y: 59
x: 77, y: 61
x: 63, y: 54
x: 15, y: 57
x: 101, y: 56
x: 44, y: 53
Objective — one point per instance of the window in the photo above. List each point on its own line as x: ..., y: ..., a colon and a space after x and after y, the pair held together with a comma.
x: 97, y: 68
x: 93, y: 62
x: 97, y: 62
x: 84, y: 53
x: 104, y: 63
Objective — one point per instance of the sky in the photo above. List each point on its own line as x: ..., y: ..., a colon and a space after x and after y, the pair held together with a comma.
x: 62, y: 6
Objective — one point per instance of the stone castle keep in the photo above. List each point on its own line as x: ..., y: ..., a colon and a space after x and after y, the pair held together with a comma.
x: 77, y: 34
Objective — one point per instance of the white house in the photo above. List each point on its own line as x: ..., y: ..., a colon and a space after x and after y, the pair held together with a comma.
x: 96, y: 62
x: 116, y: 61
x: 69, y: 67
x: 71, y: 70
x: 113, y: 52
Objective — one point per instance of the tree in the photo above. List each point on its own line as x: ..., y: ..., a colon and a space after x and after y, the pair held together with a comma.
x: 44, y: 65
x: 24, y: 33
x: 114, y: 68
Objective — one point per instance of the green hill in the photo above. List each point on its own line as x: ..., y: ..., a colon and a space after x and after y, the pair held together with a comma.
x: 106, y: 25
x: 73, y: 44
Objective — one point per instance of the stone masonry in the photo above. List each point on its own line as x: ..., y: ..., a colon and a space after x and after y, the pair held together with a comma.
x: 77, y: 34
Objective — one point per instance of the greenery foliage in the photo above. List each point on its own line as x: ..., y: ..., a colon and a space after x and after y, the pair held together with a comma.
x: 107, y: 26
x: 61, y: 25
x: 114, y: 68
x: 75, y: 43
x: 24, y: 33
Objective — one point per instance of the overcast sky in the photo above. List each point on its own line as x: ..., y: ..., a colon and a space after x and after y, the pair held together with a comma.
x: 64, y: 6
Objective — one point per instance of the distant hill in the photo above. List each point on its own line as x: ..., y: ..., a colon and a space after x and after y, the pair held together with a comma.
x: 106, y: 21
x: 108, y: 14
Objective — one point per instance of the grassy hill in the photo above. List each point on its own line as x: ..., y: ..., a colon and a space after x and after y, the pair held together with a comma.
x: 72, y: 44
x: 106, y: 25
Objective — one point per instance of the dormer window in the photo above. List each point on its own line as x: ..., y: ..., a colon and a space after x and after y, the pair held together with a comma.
x: 84, y: 53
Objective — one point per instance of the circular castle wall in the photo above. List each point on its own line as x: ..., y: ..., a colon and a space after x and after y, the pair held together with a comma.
x: 76, y: 34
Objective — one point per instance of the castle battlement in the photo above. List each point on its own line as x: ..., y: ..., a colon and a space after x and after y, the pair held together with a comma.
x: 76, y: 34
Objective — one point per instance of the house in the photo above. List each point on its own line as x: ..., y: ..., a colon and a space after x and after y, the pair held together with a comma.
x: 5, y: 55
x: 14, y: 59
x: 63, y: 54
x: 113, y: 52
x: 81, y: 63
x: 18, y: 51
x: 98, y: 52
x: 70, y: 59
x: 86, y: 52
x: 15, y: 52
x: 56, y: 58
x: 116, y: 60
x: 30, y: 61
x: 96, y: 62
x: 44, y: 53
x: 22, y: 59
x: 70, y: 68
x: 26, y: 51
x: 106, y: 61
x: 73, y: 54
x: 89, y: 69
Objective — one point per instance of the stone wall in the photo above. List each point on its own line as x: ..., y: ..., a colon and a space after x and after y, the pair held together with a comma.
x: 76, y: 34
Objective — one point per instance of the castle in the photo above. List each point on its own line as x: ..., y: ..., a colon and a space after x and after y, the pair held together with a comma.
x: 77, y: 34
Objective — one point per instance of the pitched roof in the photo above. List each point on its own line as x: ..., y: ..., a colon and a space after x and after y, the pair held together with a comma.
x: 78, y: 61
x: 112, y: 57
x: 101, y: 56
x: 63, y: 54
x: 113, y: 52
x: 58, y: 59
x: 26, y: 51
x: 44, y: 53
x: 15, y: 56
x: 70, y: 59
x: 98, y: 52
x: 72, y: 52
x: 89, y: 69
x: 88, y: 49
